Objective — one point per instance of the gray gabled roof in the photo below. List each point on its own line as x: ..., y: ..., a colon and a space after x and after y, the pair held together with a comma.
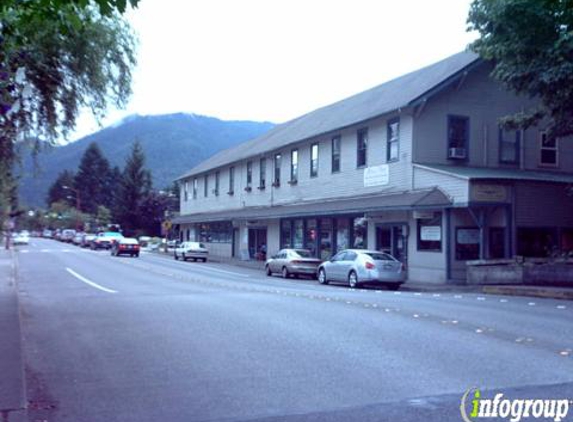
x: 380, y: 100
x: 419, y: 199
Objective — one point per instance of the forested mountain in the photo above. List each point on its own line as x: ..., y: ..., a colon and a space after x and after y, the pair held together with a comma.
x: 172, y: 144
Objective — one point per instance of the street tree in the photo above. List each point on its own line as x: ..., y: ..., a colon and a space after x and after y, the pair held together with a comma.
x: 56, y: 58
x: 58, y: 192
x: 530, y: 43
x: 92, y: 180
x: 135, y: 187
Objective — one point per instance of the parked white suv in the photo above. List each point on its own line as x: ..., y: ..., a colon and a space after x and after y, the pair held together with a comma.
x: 191, y: 250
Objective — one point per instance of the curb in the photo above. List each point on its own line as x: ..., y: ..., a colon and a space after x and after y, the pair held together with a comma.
x: 541, y: 292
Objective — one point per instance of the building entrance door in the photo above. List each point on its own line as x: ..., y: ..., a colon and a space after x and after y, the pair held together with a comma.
x: 392, y: 239
x: 258, y: 244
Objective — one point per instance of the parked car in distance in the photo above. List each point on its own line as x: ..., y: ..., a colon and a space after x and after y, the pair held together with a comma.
x: 105, y: 240
x: 360, y: 266
x: 125, y: 246
x: 191, y: 250
x: 87, y: 240
x: 21, y: 238
x: 47, y: 233
x: 78, y: 238
x: 293, y: 262
x: 67, y: 235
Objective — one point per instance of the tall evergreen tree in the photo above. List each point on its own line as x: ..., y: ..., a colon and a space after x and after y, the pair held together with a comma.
x: 92, y: 179
x: 135, y: 188
x: 58, y: 193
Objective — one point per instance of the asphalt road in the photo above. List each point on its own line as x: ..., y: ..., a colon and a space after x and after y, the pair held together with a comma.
x: 154, y: 339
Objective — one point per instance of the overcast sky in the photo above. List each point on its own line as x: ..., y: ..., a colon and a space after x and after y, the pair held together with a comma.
x: 273, y: 60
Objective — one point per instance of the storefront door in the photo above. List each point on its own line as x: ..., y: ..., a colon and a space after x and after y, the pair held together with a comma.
x: 258, y: 243
x: 392, y: 239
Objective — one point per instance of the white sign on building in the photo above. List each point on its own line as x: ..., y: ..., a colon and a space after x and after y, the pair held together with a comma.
x: 377, y: 175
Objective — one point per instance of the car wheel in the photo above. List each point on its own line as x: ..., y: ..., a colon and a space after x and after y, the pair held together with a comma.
x: 393, y: 286
x: 136, y: 255
x: 285, y: 273
x: 322, y: 276
x: 175, y: 257
x: 268, y: 271
x: 353, y: 279
x: 183, y: 257
x: 204, y: 259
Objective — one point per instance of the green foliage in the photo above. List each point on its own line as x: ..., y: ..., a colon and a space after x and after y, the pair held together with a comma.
x: 57, y: 56
x: 93, y: 180
x: 135, y: 187
x: 58, y: 193
x: 531, y: 45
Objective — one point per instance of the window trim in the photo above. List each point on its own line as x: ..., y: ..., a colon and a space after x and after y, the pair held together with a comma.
x: 390, y: 141
x: 362, y: 131
x: 293, y: 167
x: 249, y: 181
x: 501, y: 140
x: 541, y: 148
x: 206, y: 185
x: 338, y: 156
x: 262, y: 173
x: 277, y: 161
x: 195, y: 187
x: 466, y: 139
x: 217, y: 180
x: 419, y: 232
x: 231, y: 180
x: 312, y: 160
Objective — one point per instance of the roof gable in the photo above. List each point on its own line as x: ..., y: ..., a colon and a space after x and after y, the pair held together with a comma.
x: 375, y: 102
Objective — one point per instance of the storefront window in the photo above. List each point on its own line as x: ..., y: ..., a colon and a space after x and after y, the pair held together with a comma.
x: 220, y: 232
x: 360, y: 233
x: 467, y: 243
x: 298, y: 234
x: 342, y: 234
x: 430, y: 233
x: 311, y: 236
x: 536, y: 241
x: 325, y: 238
x: 286, y: 234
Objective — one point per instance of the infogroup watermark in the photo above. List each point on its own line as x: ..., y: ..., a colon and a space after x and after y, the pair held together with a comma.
x: 474, y: 407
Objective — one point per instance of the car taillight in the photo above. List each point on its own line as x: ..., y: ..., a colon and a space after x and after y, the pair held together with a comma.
x: 370, y: 265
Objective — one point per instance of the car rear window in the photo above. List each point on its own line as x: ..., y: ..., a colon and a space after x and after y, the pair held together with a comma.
x: 379, y: 256
x: 129, y: 241
x: 303, y: 253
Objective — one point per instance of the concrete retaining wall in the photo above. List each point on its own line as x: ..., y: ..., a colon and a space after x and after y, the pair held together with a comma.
x: 529, y: 272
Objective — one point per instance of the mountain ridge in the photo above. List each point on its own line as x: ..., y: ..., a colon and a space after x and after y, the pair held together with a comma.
x: 173, y: 144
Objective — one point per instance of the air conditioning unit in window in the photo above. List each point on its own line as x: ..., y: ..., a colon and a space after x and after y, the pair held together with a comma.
x: 457, y: 153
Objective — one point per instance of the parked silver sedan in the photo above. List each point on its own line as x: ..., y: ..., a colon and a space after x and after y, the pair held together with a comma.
x: 191, y: 250
x: 293, y: 262
x: 360, y: 266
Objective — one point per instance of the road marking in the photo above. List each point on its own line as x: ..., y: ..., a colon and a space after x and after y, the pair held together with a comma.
x: 561, y: 307
x: 503, y: 300
x: 531, y: 303
x: 91, y: 283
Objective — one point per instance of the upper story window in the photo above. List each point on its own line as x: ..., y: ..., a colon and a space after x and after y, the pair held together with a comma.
x: 277, y: 170
x: 185, y: 191
x: 548, y: 150
x: 293, y: 166
x: 231, y: 180
x: 195, y: 187
x: 249, y: 176
x: 262, y: 173
x: 314, y: 160
x: 336, y: 154
x: 216, y: 190
x: 206, y: 186
x: 361, y: 147
x: 509, y: 142
x: 458, y: 137
x: 393, y: 141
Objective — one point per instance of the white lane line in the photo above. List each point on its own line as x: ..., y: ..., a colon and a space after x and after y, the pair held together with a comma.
x: 91, y: 283
x: 221, y: 271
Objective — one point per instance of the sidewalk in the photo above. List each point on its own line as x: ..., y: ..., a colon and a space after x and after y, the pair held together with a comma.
x: 548, y: 292
x: 12, y: 387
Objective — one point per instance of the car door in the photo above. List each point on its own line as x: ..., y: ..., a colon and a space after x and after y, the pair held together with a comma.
x: 333, y: 270
x: 275, y: 263
x: 346, y: 264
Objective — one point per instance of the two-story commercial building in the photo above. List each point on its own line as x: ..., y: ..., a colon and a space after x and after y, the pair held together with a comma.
x: 417, y: 166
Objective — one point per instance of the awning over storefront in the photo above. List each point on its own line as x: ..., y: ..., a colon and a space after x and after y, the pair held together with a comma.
x: 422, y: 199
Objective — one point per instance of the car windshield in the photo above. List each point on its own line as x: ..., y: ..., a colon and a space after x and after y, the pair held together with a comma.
x: 129, y: 241
x: 377, y: 256
x: 303, y: 253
